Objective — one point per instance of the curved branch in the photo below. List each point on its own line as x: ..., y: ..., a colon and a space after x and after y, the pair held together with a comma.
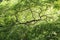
x: 32, y: 13
x: 34, y: 20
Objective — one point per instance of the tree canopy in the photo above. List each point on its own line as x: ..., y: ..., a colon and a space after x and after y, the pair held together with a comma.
x: 29, y: 19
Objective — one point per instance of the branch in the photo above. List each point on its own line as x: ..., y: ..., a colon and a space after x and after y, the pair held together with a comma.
x: 34, y: 20
x: 27, y: 22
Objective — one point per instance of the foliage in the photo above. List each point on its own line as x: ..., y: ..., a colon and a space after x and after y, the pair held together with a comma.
x: 30, y: 20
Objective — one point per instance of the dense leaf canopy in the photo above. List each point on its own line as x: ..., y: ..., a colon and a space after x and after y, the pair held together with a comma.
x: 29, y: 19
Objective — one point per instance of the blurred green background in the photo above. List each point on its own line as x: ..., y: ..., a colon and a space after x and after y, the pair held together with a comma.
x: 29, y: 19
